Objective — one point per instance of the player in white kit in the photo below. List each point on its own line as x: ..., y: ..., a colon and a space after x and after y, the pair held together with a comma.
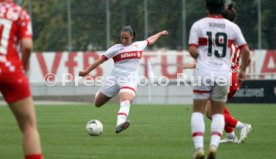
x: 231, y: 123
x: 209, y: 43
x: 124, y: 76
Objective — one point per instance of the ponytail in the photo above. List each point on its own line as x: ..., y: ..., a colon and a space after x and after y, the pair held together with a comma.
x: 230, y: 13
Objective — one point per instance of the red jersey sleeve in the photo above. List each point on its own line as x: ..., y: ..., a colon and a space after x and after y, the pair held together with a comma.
x: 25, y: 25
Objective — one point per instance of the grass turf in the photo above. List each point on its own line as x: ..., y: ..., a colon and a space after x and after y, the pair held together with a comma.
x: 156, y: 132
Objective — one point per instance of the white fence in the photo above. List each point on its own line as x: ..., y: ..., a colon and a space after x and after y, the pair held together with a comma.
x: 62, y: 69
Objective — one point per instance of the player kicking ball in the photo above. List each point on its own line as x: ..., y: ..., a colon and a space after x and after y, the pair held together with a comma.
x: 123, y: 79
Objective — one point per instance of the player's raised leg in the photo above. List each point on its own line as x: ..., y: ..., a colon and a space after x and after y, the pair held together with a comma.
x: 25, y: 116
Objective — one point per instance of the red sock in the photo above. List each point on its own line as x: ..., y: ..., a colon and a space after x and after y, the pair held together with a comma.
x: 34, y: 156
x: 229, y: 120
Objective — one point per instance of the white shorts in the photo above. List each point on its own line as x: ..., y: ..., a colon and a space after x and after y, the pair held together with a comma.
x: 113, y: 85
x: 214, y: 86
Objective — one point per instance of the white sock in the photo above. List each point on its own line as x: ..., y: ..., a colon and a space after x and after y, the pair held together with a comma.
x: 198, y: 129
x: 217, y: 127
x: 239, y: 125
x: 123, y: 112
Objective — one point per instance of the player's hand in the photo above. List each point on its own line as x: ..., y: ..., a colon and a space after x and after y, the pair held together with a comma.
x: 164, y: 32
x: 241, y: 76
x: 83, y: 73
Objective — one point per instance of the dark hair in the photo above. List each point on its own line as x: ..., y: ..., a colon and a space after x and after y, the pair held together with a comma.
x: 230, y: 12
x: 130, y: 30
x: 215, y: 6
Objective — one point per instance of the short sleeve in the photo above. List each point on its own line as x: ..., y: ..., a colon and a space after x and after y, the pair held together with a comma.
x: 110, y: 52
x: 239, y: 38
x: 142, y: 44
x: 25, y: 25
x: 194, y: 35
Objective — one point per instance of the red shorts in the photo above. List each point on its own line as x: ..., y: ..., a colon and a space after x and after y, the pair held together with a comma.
x: 235, y: 85
x: 14, y: 86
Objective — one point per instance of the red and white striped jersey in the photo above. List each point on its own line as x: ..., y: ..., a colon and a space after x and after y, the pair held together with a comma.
x: 126, y: 58
x: 214, y: 37
x: 15, y: 24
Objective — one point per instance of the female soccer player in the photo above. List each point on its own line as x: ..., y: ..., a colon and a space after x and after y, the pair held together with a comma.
x: 124, y: 77
x: 15, y: 31
x: 209, y: 43
x: 230, y: 122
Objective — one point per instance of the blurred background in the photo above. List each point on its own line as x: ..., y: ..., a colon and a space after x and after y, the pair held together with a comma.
x: 70, y: 34
x: 79, y: 25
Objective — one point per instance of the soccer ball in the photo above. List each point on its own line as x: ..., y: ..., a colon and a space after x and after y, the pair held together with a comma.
x: 94, y: 127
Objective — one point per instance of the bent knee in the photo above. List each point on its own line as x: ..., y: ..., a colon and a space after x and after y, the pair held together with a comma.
x: 98, y: 104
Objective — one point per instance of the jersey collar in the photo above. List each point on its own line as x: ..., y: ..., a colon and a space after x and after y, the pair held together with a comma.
x: 216, y: 16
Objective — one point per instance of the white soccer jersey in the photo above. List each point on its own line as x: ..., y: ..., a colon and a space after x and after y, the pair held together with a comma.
x: 126, y: 58
x: 214, y: 37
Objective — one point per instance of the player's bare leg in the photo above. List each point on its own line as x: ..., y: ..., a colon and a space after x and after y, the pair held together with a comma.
x: 24, y: 112
x: 100, y: 99
x: 208, y: 111
x: 126, y: 98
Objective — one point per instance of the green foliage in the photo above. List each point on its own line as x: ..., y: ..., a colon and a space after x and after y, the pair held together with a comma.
x: 50, y: 23
x: 269, y: 24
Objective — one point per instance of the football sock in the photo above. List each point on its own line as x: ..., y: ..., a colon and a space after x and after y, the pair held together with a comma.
x: 217, y: 127
x: 123, y: 112
x: 198, y: 129
x: 230, y: 121
x: 34, y: 156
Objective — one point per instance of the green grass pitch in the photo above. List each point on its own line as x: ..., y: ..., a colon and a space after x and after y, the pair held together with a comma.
x: 156, y: 132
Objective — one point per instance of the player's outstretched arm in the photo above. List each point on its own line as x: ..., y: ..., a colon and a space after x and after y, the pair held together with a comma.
x: 91, y: 67
x: 152, y: 39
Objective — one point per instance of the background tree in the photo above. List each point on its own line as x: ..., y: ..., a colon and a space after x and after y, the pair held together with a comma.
x: 50, y: 24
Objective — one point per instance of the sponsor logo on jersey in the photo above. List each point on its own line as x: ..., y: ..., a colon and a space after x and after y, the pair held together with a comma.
x: 128, y: 55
